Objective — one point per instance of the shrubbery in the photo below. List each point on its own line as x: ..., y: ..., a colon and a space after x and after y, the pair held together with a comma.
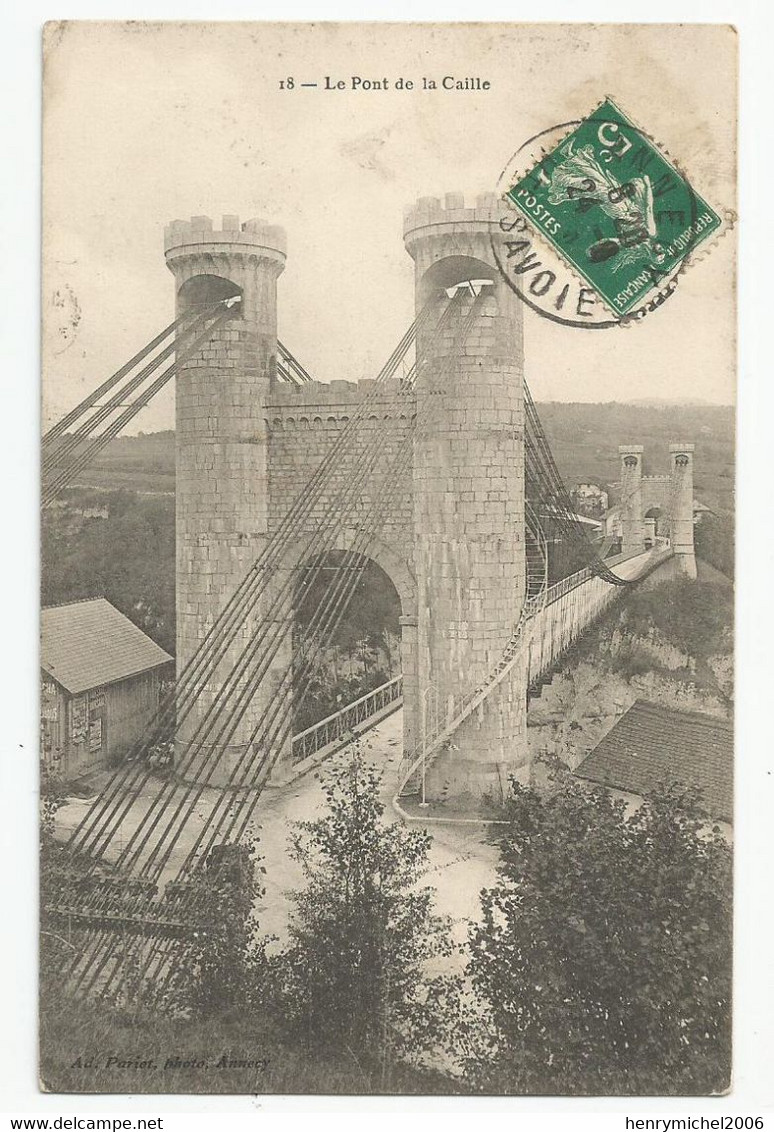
x: 697, y: 619
x: 604, y: 949
x: 354, y: 977
x: 600, y: 962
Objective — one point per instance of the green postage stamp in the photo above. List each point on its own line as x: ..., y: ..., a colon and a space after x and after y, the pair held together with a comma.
x: 615, y: 208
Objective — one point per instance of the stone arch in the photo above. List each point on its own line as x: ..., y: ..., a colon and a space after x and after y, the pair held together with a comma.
x: 200, y: 291
x: 660, y: 520
x: 450, y: 271
x: 401, y: 577
x: 394, y: 566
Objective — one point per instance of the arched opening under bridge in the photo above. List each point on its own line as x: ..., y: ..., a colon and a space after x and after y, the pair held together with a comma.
x: 660, y: 523
x: 346, y: 634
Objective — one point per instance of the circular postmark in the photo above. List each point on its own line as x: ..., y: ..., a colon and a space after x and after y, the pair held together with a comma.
x: 597, y: 224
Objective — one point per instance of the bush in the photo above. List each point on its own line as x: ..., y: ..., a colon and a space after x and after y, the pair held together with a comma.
x: 604, y: 952
x: 697, y: 619
x: 353, y: 979
x: 223, y: 965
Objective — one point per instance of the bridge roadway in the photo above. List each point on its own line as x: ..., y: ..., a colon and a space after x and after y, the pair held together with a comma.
x: 461, y: 862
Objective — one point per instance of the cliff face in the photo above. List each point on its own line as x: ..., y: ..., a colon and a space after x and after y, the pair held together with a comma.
x: 616, y: 667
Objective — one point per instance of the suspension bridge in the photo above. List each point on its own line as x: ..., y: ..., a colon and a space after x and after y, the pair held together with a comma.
x: 437, y: 468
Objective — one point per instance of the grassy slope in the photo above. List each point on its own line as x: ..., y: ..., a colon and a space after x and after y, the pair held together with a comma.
x: 72, y: 1029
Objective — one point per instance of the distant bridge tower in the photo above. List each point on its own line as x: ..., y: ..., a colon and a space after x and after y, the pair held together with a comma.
x: 468, y: 495
x: 221, y: 448
x: 681, y: 494
x: 632, y: 527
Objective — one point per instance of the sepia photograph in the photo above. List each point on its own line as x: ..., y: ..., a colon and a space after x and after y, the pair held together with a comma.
x: 387, y: 559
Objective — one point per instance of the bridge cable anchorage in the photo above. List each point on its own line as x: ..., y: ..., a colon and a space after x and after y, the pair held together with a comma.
x: 192, y: 341
x: 366, y: 406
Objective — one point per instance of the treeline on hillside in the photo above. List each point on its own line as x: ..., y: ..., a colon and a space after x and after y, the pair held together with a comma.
x: 697, y: 619
x: 125, y: 552
x: 584, y: 439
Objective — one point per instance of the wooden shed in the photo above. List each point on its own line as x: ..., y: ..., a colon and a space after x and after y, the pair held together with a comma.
x: 100, y: 684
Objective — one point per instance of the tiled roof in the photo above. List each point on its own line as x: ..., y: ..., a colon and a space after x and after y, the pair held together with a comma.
x: 89, y: 643
x: 651, y: 745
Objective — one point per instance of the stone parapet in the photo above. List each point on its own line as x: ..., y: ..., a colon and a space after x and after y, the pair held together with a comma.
x: 336, y: 392
x: 252, y: 235
x: 431, y: 216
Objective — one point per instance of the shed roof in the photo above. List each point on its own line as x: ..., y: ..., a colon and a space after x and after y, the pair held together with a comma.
x: 651, y: 745
x: 89, y: 643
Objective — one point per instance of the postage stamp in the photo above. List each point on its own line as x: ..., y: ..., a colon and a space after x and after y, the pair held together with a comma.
x: 614, y: 207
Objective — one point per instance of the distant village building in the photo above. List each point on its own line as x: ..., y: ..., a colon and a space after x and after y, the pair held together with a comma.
x: 590, y: 499
x: 100, y: 682
x: 651, y: 746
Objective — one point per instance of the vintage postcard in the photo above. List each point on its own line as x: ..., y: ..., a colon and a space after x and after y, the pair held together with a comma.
x: 386, y: 671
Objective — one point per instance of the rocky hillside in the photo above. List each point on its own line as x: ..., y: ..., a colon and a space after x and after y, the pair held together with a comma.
x: 670, y: 644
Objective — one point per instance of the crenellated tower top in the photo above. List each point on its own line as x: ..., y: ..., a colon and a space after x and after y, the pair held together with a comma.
x: 253, y: 236
x: 432, y: 213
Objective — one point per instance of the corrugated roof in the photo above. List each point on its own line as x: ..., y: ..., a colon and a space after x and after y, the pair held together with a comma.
x: 89, y: 643
x: 650, y: 745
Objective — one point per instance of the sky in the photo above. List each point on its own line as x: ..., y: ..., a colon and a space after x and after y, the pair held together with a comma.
x: 145, y: 123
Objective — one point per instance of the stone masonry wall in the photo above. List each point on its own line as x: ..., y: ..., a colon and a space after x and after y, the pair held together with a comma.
x: 468, y: 490
x: 221, y: 454
x: 303, y: 425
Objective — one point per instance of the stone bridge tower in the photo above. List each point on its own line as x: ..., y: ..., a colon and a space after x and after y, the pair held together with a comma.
x: 632, y: 527
x: 469, y: 549
x: 681, y: 494
x: 670, y: 497
x: 221, y: 447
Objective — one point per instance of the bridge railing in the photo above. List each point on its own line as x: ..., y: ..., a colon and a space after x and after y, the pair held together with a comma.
x: 350, y: 718
x: 559, y: 589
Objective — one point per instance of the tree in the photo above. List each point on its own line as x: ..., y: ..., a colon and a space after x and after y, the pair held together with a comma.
x: 714, y: 537
x: 353, y: 979
x: 604, y: 952
x: 128, y: 557
x: 223, y: 967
